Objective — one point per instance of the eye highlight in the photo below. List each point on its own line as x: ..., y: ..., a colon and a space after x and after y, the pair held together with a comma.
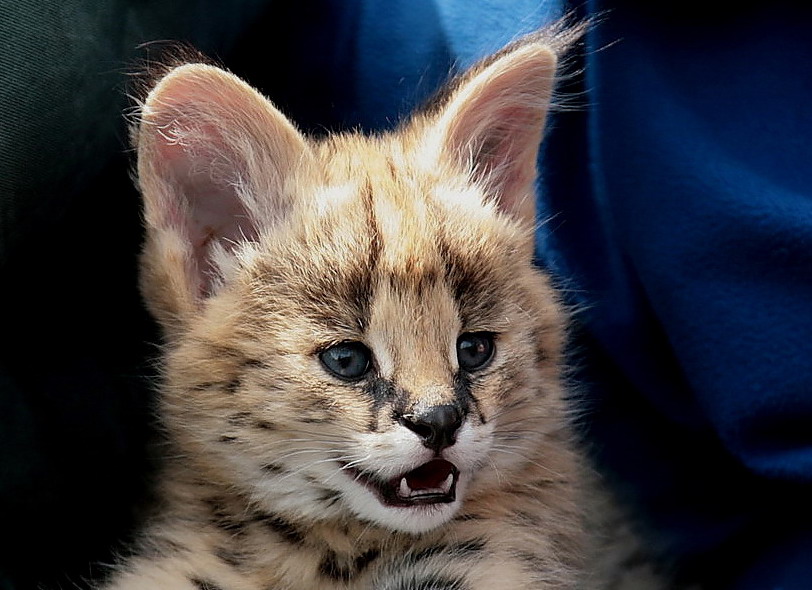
x: 475, y: 350
x: 348, y: 360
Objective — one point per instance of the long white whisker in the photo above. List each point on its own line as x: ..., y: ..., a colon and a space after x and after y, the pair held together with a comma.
x: 311, y: 464
x: 351, y: 464
x: 537, y: 464
x: 303, y: 452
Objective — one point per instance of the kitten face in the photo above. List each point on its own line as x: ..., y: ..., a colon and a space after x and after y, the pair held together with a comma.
x: 355, y: 328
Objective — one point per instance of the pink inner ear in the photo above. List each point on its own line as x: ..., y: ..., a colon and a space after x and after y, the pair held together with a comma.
x: 208, y: 208
x: 506, y: 158
x: 495, y: 121
x: 215, y: 216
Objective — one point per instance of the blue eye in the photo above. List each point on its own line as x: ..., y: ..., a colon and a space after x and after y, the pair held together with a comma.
x: 475, y: 350
x: 348, y: 360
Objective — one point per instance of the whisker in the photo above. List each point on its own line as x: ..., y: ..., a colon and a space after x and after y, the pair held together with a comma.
x: 303, y: 452
x: 536, y: 463
x: 344, y: 467
x: 352, y: 464
x: 309, y: 465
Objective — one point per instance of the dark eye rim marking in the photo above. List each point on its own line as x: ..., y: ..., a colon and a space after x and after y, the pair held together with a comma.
x: 486, y: 358
x: 354, y: 346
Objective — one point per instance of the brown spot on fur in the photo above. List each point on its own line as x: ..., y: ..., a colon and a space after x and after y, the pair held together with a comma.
x: 205, y: 386
x: 283, y: 528
x: 331, y: 567
x: 233, y: 386
x: 330, y: 497
x: 469, y: 517
x: 465, y: 549
x: 240, y: 419
x: 229, y: 556
x: 222, y: 518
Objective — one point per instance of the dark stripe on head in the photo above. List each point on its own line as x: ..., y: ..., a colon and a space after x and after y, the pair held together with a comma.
x: 414, y: 278
x: 375, y: 242
x: 334, y: 290
x: 362, y: 291
x: 477, y: 294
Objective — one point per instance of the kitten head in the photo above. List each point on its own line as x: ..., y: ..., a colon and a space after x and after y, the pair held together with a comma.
x: 354, y: 325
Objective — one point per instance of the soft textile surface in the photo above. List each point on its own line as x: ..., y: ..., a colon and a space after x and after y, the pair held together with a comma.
x: 692, y: 245
x: 681, y: 223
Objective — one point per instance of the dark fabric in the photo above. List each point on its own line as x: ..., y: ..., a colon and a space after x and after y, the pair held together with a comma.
x: 76, y: 344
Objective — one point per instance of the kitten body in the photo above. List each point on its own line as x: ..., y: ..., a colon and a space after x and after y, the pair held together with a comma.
x: 363, y: 382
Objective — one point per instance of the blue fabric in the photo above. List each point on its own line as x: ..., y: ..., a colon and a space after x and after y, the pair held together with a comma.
x: 682, y: 204
x: 699, y: 331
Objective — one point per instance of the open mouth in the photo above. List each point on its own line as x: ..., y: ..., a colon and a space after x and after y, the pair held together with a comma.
x: 434, y: 482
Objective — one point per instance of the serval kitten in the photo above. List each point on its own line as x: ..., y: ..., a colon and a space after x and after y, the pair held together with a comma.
x: 363, y: 381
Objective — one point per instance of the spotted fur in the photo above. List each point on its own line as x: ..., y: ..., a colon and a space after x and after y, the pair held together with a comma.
x: 264, y: 248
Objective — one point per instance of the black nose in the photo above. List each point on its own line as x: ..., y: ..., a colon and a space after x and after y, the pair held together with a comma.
x: 437, y: 426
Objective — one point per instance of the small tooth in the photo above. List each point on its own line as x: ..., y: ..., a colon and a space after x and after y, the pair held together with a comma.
x: 449, y: 481
x: 405, y: 491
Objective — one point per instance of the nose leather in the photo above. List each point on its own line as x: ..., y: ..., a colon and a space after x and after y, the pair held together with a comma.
x: 437, y: 426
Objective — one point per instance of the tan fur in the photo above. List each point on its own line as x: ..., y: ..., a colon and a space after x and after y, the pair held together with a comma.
x: 263, y: 248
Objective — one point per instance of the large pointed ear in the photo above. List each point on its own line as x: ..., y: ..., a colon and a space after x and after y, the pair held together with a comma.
x: 215, y: 164
x: 492, y: 121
